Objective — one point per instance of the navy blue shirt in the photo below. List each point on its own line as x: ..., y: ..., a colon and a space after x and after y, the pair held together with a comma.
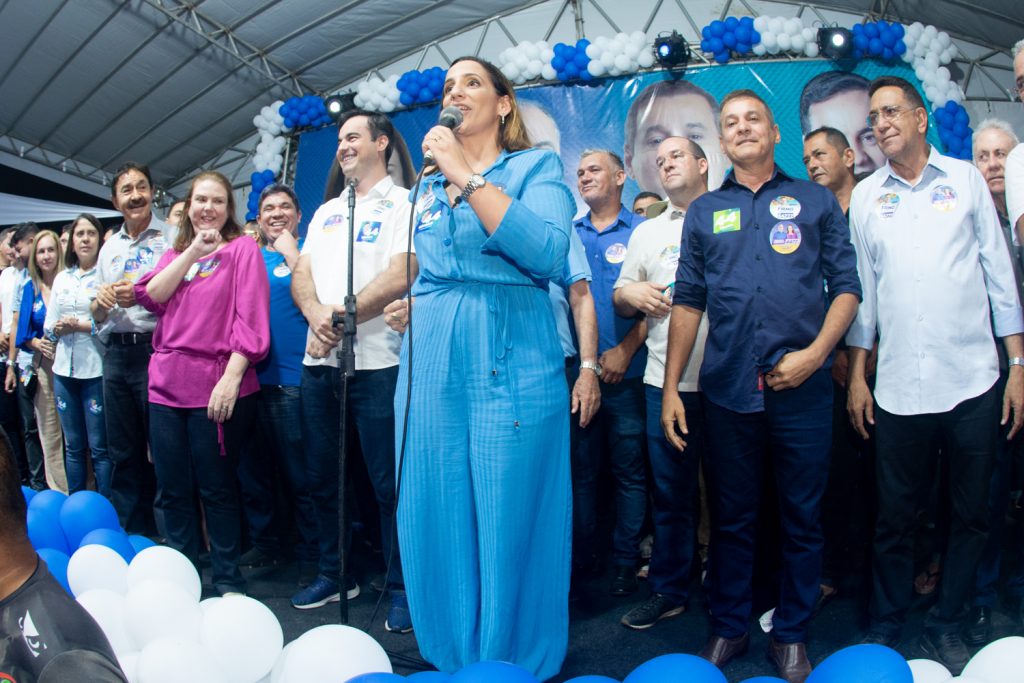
x: 606, y: 250
x: 764, y: 266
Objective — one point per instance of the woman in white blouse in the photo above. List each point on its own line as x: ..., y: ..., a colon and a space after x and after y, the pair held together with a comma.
x: 78, y: 360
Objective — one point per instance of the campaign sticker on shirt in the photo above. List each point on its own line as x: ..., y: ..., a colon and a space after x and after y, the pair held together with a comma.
x: 369, y: 231
x: 158, y: 244
x: 670, y: 256
x: 785, y: 237
x: 616, y: 253
x: 191, y: 272
x: 726, y: 220
x: 427, y: 219
x: 115, y: 267
x: 37, y: 305
x: 206, y: 269
x: 424, y: 203
x: 785, y: 208
x: 145, y: 256
x: 382, y: 206
x: 887, y: 204
x: 944, y: 198
x: 332, y: 222
x: 282, y: 270
x: 131, y: 269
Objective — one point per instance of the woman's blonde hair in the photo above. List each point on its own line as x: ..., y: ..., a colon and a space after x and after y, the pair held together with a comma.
x: 33, y: 265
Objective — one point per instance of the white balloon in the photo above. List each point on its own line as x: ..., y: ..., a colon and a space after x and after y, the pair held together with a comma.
x: 534, y: 67
x: 245, y: 637
x: 206, y: 604
x: 798, y: 43
x: 632, y: 51
x: 811, y: 49
x: 785, y: 41
x: 107, y: 608
x: 943, y: 39
x: 172, y: 660
x: 931, y: 62
x: 97, y: 566
x: 776, y: 25
x: 760, y: 50
x: 998, y: 662
x: 161, y: 562
x: 769, y: 40
x: 129, y: 664
x: 548, y: 73
x: 794, y: 26
x: 760, y: 23
x: 621, y: 38
x: 522, y: 61
x: 332, y: 653
x: 156, y: 609
x: 601, y: 42
x: 638, y: 37
x: 277, y: 673
x: 593, y: 51
x: 645, y: 59
x: 519, y: 80
x: 529, y: 50
x: 928, y: 671
x: 387, y: 106
x: 511, y: 70
x: 967, y: 679
x: 596, y: 68
x: 930, y: 31
x: 809, y: 34
x: 942, y: 75
x: 608, y: 59
x: 622, y: 63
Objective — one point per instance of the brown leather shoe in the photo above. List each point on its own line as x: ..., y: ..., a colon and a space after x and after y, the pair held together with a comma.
x: 720, y: 651
x: 791, y: 660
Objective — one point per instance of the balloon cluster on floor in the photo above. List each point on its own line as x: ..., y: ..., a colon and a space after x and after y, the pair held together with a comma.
x: 145, y: 597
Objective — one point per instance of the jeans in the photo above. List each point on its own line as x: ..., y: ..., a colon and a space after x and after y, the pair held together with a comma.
x: 969, y: 434
x: 796, y: 429
x: 618, y: 429
x: 371, y: 418
x: 30, y: 430
x: 675, y: 489
x: 280, y: 451
x: 186, y: 453
x: 133, y: 489
x: 80, y: 408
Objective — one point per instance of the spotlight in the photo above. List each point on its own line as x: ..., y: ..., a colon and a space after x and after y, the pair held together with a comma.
x: 337, y: 105
x: 671, y: 50
x: 835, y: 43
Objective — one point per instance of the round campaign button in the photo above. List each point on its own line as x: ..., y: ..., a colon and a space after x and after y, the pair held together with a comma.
x: 887, y: 204
x: 944, y: 198
x: 282, y: 270
x: 785, y: 208
x: 616, y: 253
x: 785, y: 237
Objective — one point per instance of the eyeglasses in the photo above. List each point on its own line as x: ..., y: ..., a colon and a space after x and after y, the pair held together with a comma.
x: 1018, y: 89
x: 889, y: 113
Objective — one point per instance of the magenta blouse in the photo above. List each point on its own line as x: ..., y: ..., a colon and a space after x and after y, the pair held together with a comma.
x: 221, y: 306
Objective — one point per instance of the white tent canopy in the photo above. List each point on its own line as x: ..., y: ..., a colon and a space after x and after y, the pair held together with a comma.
x: 175, y: 84
x: 16, y: 209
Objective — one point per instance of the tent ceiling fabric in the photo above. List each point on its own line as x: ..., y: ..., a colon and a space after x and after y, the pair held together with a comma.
x: 175, y: 84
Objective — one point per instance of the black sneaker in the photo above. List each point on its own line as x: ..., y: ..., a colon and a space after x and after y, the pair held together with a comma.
x: 624, y: 582
x: 649, y: 613
x: 947, y: 648
x: 978, y: 630
x: 879, y: 637
x: 254, y: 558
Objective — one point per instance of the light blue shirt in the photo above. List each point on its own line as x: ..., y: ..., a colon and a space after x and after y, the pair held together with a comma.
x: 576, y: 269
x: 934, y: 265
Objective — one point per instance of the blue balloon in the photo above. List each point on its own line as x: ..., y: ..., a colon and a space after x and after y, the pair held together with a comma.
x: 493, y: 672
x: 428, y: 677
x: 887, y: 37
x: 571, y: 70
x: 860, y: 41
x: 717, y: 28
x: 406, y: 98
x: 582, y: 44
x: 558, y: 62
x: 871, y: 30
x: 689, y: 668
x: 43, y: 518
x: 900, y: 48
x: 899, y: 30
x: 742, y: 48
x: 57, y: 563
x: 955, y: 145
x: 875, y: 46
x: 29, y: 493
x: 888, y: 54
x: 763, y: 679
x: 722, y: 57
x: 731, y: 23
x: 591, y: 679
x: 705, y: 46
x: 729, y: 40
x: 425, y: 95
x: 960, y: 130
x: 582, y: 60
x: 717, y: 45
x: 747, y: 22
x: 961, y: 115
x: 377, y: 678
x: 755, y: 38
x: 743, y: 34
x: 863, y: 664
x: 303, y: 120
x: 858, y: 29
x: 115, y: 540
x: 705, y: 33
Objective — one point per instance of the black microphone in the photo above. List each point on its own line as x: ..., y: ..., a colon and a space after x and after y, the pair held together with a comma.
x: 450, y: 118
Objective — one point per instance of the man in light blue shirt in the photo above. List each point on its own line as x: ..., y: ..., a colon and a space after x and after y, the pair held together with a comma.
x: 937, y: 279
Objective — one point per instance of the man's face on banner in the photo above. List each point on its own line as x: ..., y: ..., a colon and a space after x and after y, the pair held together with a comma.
x: 847, y: 112
x: 686, y: 115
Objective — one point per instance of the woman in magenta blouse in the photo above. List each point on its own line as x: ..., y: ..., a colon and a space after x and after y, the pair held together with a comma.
x: 211, y: 295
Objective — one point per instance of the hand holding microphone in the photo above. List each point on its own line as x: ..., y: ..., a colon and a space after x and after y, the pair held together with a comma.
x: 440, y: 138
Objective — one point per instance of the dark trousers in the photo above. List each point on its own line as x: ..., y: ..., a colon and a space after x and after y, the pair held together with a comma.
x: 10, y: 422
x: 618, y: 431
x: 187, y: 452
x: 30, y: 431
x: 133, y: 490
x: 277, y: 450
x: 905, y: 466
x: 371, y: 420
x: 676, y: 508
x: 796, y: 429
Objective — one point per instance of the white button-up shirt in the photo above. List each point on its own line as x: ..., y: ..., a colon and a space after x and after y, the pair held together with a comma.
x: 78, y: 354
x: 937, y: 277
x: 123, y: 259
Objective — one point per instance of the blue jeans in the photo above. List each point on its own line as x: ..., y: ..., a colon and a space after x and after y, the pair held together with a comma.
x: 371, y: 419
x: 795, y: 428
x: 80, y: 408
x: 186, y: 454
x: 618, y: 430
x: 277, y: 450
x: 676, y: 508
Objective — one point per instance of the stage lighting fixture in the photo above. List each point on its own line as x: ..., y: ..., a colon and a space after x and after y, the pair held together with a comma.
x: 835, y: 42
x: 671, y: 50
x: 339, y: 104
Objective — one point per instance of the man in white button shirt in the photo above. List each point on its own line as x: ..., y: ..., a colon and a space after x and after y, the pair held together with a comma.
x: 644, y: 288
x: 1015, y: 162
x: 937, y: 279
x: 319, y: 286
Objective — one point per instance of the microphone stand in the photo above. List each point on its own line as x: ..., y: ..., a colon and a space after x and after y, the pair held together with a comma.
x: 347, y: 368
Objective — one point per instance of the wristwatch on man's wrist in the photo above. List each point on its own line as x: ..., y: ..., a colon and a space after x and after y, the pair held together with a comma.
x: 591, y: 365
x: 1016, y: 360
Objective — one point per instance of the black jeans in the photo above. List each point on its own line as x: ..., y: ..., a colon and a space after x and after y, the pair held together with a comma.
x: 133, y: 489
x: 30, y: 431
x: 905, y: 465
x: 187, y: 453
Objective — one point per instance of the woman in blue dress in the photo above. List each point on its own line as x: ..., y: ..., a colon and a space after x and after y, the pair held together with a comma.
x: 484, y: 514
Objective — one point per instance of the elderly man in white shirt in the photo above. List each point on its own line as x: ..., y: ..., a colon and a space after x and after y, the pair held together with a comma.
x: 937, y: 280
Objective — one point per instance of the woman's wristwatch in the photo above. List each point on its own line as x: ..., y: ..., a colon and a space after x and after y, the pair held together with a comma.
x: 475, y: 182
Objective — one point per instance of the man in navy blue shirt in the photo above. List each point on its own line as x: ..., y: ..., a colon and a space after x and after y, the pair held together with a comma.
x: 619, y: 423
x: 769, y: 258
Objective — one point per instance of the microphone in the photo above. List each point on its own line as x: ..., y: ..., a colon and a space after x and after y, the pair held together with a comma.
x: 450, y: 118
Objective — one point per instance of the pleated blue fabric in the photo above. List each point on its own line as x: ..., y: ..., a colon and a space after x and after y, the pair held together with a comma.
x: 484, y: 516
